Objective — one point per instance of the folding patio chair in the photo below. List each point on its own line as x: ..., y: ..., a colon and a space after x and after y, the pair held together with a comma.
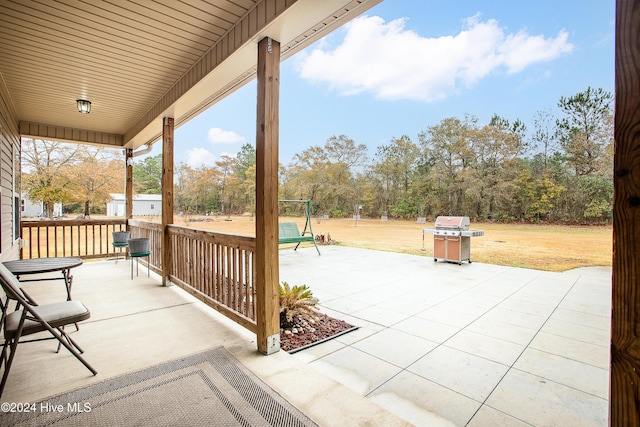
x: 30, y: 318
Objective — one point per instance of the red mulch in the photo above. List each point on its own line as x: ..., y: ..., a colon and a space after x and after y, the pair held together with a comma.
x: 324, y: 328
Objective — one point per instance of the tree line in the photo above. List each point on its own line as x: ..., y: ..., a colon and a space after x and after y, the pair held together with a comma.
x: 559, y: 170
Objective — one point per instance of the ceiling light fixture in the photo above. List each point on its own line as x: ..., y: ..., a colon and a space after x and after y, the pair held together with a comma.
x: 84, y: 106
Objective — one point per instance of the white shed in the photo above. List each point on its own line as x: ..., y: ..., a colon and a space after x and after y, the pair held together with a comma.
x: 29, y: 208
x: 143, y: 205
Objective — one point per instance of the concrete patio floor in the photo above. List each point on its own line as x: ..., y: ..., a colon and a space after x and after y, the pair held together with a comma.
x: 471, y: 344
x: 438, y: 343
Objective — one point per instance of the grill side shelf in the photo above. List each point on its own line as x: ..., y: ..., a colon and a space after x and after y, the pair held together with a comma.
x: 472, y: 233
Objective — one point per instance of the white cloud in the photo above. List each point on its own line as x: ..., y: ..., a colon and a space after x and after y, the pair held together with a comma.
x: 521, y: 50
x: 395, y: 63
x: 221, y: 136
x: 197, y: 157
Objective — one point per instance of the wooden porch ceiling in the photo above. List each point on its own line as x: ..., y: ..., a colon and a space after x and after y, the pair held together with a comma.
x: 141, y: 60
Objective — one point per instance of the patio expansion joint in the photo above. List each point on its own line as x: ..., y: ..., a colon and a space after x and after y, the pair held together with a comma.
x: 484, y: 402
x: 477, y: 317
x: 560, y: 383
x: 605, y: 318
x: 584, y: 327
x: 403, y: 369
x: 481, y: 403
x: 475, y: 287
x: 151, y: 310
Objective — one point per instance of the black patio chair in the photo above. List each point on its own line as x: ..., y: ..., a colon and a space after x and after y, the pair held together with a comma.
x: 30, y: 318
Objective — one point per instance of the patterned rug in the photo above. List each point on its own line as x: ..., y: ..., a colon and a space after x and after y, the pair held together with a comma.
x: 210, y: 388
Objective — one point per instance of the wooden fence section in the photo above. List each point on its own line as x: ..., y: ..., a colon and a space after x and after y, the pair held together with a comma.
x: 59, y: 238
x: 218, y: 269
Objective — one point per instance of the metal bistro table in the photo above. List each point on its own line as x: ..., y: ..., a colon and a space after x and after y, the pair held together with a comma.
x: 26, y: 267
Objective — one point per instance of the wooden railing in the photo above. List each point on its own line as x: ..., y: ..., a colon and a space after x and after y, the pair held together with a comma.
x: 216, y: 268
x: 153, y: 232
x: 79, y: 238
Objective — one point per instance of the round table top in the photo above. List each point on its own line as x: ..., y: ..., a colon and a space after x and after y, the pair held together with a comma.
x: 41, y: 265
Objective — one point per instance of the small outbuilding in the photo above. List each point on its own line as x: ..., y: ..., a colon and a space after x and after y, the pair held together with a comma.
x: 30, y: 208
x: 143, y: 205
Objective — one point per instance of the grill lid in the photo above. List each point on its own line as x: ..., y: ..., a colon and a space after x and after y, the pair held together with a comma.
x: 452, y: 223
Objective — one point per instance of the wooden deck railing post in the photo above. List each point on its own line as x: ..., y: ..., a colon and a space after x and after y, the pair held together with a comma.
x: 267, y: 299
x: 624, y: 401
x: 167, y: 196
x: 128, y: 187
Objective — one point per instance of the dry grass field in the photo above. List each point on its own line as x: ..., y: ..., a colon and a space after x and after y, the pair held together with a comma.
x: 542, y: 247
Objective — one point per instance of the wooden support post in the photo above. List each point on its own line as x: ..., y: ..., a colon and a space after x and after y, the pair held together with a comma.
x: 267, y: 276
x: 167, y: 196
x: 624, y: 401
x: 128, y: 187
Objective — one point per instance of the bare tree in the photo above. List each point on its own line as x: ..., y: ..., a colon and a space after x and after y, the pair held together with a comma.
x: 43, y: 164
x: 544, y: 136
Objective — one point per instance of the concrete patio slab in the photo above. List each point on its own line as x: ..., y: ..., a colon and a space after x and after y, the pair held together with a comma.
x: 487, y: 347
x: 500, y: 345
x: 539, y: 401
x: 592, y: 354
x: 578, y: 375
x: 587, y: 334
x: 428, y: 329
x: 582, y: 318
x: 455, y: 318
x: 502, y: 330
x: 386, y: 343
x: 423, y: 402
x: 515, y: 317
x: 487, y: 416
x: 470, y: 375
x: 356, y: 369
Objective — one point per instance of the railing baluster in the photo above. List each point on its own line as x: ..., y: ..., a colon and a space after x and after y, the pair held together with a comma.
x: 47, y: 237
x: 234, y: 279
x: 64, y: 240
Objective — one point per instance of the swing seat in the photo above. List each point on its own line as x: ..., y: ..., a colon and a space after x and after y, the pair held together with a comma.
x: 288, y: 232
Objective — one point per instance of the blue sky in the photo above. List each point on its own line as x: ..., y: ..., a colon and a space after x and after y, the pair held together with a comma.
x: 407, y: 64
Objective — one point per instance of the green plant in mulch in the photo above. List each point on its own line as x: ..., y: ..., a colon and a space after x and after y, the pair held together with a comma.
x: 296, y: 302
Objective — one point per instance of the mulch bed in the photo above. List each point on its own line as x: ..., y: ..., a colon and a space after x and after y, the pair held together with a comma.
x: 324, y: 329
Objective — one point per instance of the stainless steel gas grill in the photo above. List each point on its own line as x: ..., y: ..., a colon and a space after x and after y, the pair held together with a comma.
x: 452, y: 238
